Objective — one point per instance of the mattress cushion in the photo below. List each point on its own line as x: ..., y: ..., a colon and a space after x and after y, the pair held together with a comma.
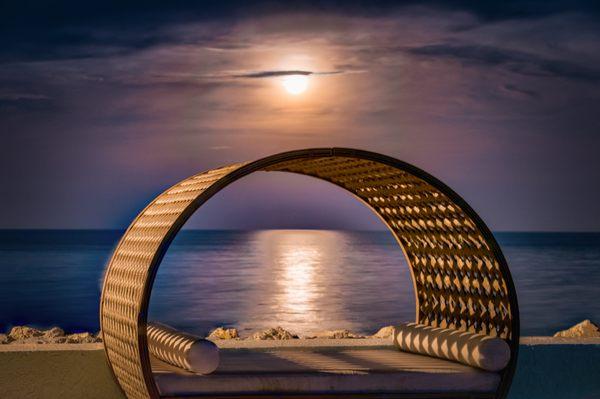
x: 319, y: 370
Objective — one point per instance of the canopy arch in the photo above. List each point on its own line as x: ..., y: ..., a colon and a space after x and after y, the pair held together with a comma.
x: 460, y: 277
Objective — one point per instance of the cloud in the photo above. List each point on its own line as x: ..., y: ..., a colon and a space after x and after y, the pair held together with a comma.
x: 22, y: 96
x: 516, y: 61
x: 511, y: 88
x: 66, y: 30
x: 23, y: 101
x: 271, y: 74
x: 210, y: 81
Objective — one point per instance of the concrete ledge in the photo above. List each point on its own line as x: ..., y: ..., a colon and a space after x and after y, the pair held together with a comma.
x: 56, y: 371
x: 302, y: 343
x: 559, y: 341
x: 50, y: 347
x: 548, y: 368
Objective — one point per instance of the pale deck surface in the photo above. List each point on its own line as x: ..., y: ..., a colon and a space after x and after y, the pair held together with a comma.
x: 313, y: 369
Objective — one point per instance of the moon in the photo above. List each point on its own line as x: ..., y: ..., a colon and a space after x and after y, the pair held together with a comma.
x: 295, y: 84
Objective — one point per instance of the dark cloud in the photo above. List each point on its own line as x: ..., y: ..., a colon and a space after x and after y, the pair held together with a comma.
x: 22, y: 96
x: 32, y: 31
x: 515, y: 61
x: 24, y: 101
x: 520, y: 90
x: 271, y: 74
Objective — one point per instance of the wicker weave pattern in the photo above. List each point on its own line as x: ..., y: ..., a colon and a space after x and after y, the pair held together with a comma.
x: 458, y: 280
x: 170, y: 345
x: 127, y: 279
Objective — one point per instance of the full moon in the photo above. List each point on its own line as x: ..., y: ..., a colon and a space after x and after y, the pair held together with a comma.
x: 295, y: 84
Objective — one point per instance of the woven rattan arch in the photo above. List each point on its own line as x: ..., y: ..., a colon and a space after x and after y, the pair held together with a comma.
x: 461, y: 279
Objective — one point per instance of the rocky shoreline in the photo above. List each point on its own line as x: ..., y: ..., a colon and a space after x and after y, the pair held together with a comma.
x: 279, y: 333
x: 55, y: 335
x: 29, y: 335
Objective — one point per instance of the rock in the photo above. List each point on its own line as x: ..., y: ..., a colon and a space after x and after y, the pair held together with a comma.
x: 585, y: 329
x: 80, y: 338
x: 337, y: 334
x: 277, y: 333
x: 54, y: 335
x: 384, y: 332
x: 24, y: 332
x: 54, y: 332
x: 224, y: 333
x: 98, y: 336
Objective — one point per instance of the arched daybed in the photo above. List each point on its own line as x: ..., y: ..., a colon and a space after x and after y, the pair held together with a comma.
x: 461, y: 279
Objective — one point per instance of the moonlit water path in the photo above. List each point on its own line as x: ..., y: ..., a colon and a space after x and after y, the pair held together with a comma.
x: 302, y: 280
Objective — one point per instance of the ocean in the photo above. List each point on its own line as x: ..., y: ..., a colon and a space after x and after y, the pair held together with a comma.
x: 302, y: 280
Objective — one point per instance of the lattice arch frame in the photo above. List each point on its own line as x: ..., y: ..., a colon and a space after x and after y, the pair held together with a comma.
x: 460, y: 276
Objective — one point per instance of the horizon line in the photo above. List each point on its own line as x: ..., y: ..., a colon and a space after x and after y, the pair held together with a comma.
x: 288, y: 229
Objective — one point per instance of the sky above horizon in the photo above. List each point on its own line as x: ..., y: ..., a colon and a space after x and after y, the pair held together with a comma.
x: 104, y: 106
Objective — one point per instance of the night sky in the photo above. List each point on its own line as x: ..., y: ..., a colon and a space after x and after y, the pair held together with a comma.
x: 103, y: 106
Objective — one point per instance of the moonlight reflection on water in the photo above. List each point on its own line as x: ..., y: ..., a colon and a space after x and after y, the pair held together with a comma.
x: 297, y: 278
x: 302, y: 280
x: 303, y: 266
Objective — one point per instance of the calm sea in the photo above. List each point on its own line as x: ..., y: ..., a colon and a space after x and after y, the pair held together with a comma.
x: 302, y: 280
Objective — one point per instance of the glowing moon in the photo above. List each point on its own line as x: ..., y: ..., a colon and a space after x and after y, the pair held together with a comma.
x: 295, y: 84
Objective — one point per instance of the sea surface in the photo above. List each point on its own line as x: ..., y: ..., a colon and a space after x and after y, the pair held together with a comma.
x: 302, y: 280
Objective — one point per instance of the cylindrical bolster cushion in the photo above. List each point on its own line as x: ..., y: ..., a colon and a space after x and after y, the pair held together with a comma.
x: 182, y: 350
x: 477, y: 350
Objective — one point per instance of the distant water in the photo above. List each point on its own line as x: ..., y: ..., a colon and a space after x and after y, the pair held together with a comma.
x: 303, y: 280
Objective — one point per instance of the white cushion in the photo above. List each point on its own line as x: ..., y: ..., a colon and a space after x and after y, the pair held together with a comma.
x: 183, y: 350
x: 477, y: 350
x: 314, y: 370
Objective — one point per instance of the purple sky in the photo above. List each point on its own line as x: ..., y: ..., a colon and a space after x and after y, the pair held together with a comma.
x: 99, y: 114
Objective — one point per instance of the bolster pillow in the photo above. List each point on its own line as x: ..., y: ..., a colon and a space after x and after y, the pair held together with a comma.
x: 182, y: 350
x: 477, y: 350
